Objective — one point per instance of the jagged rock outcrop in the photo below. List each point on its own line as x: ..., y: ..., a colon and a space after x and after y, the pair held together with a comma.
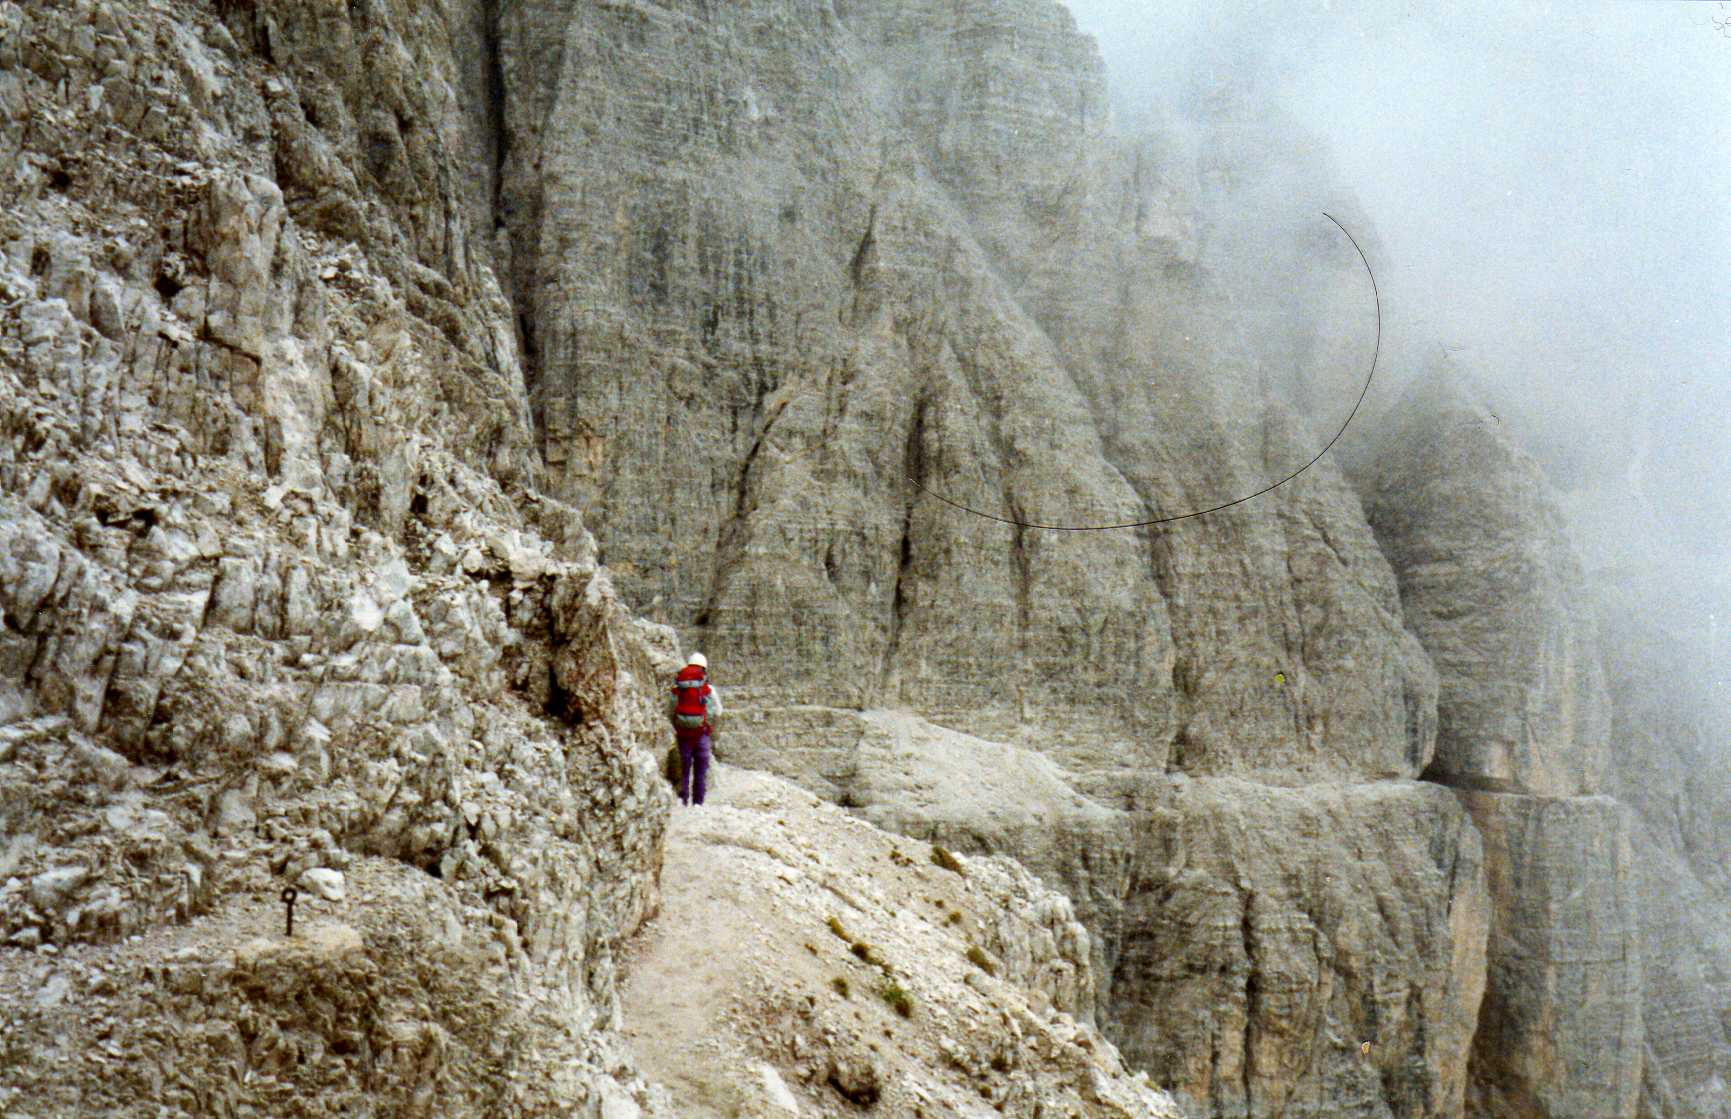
x: 1254, y: 937
x: 1494, y: 589
x: 275, y: 595
x: 324, y: 331
x: 1305, y: 952
x: 403, y: 1001
x: 1560, y: 1032
x: 834, y: 252
x: 780, y: 257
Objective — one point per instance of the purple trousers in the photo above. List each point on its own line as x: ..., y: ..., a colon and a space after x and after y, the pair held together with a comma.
x: 694, y: 767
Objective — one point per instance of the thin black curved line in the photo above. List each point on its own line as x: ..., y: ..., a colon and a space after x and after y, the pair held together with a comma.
x: 1375, y: 354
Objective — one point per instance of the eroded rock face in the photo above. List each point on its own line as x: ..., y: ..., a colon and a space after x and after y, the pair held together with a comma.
x: 1249, y: 938
x: 1270, y: 934
x: 302, y: 303
x: 1685, y: 950
x: 1493, y: 589
x: 1560, y: 1033
x: 972, y: 795
x: 399, y: 1001
x: 1667, y: 732
x: 834, y: 252
x: 859, y: 974
x: 274, y: 596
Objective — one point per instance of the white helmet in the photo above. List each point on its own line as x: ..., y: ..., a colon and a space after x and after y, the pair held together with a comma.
x: 698, y: 659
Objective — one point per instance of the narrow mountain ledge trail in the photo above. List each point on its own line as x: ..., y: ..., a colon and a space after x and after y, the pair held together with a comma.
x: 791, y: 938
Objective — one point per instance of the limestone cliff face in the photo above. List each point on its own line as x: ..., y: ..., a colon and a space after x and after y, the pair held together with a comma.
x: 778, y: 257
x: 1561, y: 1031
x: 1270, y: 935
x: 781, y: 257
x: 282, y: 604
x: 328, y: 333
x: 1667, y: 731
x: 274, y: 595
x: 775, y: 259
x: 1254, y: 937
x: 1494, y: 590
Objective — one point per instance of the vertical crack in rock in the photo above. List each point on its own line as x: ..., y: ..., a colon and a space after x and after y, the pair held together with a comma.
x: 523, y: 60
x: 915, y: 458
x: 1023, y: 563
x: 862, y: 273
x: 493, y: 83
x: 1252, y: 1007
x: 730, y: 549
x: 1160, y: 570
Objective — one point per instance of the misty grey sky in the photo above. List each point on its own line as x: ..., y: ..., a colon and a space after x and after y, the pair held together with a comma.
x: 1551, y: 183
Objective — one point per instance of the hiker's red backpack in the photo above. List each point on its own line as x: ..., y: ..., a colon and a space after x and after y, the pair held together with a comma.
x: 691, y: 702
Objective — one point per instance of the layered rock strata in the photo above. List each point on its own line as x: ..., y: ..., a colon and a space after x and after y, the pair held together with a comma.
x: 325, y: 329
x: 1491, y: 585
x: 1668, y: 727
x: 1254, y: 938
x: 275, y: 596
x: 1561, y: 1030
x: 780, y: 259
x: 834, y: 253
x: 1312, y: 952
x: 1494, y: 589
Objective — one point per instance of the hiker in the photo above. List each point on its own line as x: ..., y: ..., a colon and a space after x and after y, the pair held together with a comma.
x: 693, y: 707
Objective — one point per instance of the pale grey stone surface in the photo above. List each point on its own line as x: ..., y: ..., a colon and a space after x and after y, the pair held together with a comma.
x: 1560, y: 1032
x: 1491, y: 585
x: 818, y: 911
x: 1269, y: 934
x: 783, y: 255
x: 253, y: 372
x: 281, y: 599
x: 1666, y: 735
x: 1249, y: 939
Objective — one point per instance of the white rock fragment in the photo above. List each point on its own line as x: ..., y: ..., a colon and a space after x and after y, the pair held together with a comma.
x: 393, y: 580
x: 279, y: 764
x: 616, y: 1103
x: 325, y: 882
x: 51, y: 889
x: 780, y: 1099
x: 368, y: 615
x: 234, y: 811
